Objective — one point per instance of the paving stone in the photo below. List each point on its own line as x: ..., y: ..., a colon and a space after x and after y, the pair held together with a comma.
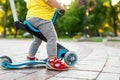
x: 88, y: 67
x: 78, y: 74
x: 97, y: 54
x: 91, y: 62
x: 109, y: 76
x: 110, y: 69
x: 62, y: 78
x: 114, y: 61
x: 4, y: 71
x: 39, y: 75
x: 11, y: 76
x: 27, y: 70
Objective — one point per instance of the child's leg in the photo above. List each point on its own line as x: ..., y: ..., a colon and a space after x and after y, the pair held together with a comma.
x: 34, y: 47
x: 49, y: 32
x: 47, y: 29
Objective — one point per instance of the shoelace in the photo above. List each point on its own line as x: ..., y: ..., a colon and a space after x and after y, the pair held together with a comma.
x: 58, y: 61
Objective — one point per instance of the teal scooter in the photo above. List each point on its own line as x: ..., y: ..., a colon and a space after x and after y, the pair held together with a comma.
x: 63, y: 53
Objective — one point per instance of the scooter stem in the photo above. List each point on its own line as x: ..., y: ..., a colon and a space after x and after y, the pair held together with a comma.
x: 12, y: 4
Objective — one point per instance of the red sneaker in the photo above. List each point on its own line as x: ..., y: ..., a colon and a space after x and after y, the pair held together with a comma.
x: 56, y: 64
x: 32, y: 58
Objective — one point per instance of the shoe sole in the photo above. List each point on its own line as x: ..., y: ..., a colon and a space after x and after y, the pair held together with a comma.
x: 49, y: 67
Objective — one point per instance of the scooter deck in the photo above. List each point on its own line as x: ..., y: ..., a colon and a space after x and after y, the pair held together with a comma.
x: 24, y: 64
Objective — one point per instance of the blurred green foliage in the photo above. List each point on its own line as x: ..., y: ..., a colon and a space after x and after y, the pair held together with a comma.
x: 100, y: 21
x: 6, y: 20
x: 103, y: 20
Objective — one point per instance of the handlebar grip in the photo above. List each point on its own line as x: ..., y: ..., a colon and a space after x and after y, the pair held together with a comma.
x: 62, y: 11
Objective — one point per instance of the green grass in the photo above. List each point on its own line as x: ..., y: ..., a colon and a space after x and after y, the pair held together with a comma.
x: 114, y: 40
x: 12, y: 37
x: 91, y: 39
x: 66, y: 38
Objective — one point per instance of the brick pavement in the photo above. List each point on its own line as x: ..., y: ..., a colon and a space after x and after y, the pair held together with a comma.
x: 96, y: 62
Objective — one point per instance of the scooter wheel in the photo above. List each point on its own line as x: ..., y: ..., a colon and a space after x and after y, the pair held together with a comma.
x: 70, y: 58
x: 3, y: 61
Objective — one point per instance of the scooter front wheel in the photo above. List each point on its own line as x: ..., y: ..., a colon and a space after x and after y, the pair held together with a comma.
x: 70, y: 58
x: 4, y: 60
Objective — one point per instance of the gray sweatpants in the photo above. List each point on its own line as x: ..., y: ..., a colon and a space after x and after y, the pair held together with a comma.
x: 47, y: 29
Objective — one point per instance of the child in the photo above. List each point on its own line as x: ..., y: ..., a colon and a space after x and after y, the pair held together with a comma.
x: 40, y: 13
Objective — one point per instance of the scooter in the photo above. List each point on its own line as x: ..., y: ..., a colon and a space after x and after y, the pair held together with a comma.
x: 69, y: 57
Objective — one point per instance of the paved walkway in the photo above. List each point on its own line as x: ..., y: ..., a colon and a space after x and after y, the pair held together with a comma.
x: 96, y: 62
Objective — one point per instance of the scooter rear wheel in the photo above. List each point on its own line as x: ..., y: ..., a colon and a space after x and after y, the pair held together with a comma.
x: 4, y: 60
x: 70, y: 58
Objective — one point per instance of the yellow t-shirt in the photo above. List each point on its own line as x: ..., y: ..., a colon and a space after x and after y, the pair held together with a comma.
x: 40, y: 9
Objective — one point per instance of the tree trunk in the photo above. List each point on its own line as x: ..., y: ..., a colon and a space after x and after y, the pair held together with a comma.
x: 114, y: 24
x: 5, y: 22
x: 5, y: 8
x: 114, y: 18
